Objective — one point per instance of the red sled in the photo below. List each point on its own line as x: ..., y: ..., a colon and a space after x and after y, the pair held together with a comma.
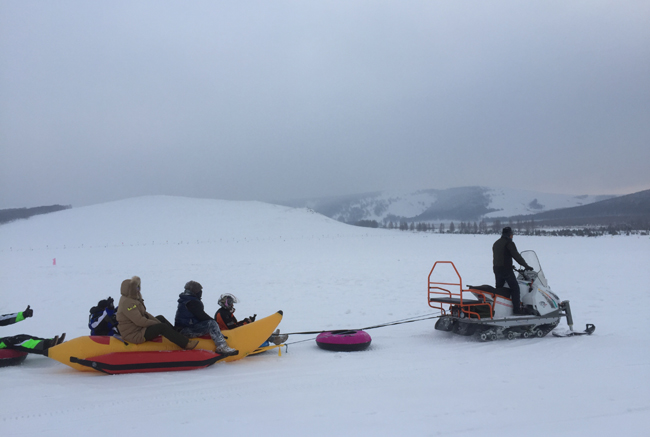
x: 152, y: 361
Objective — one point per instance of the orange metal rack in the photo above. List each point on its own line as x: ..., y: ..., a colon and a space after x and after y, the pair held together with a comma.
x: 440, y: 297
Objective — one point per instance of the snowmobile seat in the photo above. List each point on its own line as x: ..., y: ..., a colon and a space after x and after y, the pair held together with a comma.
x: 501, y: 291
x: 454, y: 300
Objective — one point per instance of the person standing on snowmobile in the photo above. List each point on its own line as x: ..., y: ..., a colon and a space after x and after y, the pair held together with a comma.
x: 192, y: 320
x: 503, y: 251
x: 24, y: 342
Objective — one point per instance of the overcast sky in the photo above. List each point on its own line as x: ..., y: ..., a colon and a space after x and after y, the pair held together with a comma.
x: 275, y: 100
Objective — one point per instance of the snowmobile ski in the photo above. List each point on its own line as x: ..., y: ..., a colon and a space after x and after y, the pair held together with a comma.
x: 588, y: 331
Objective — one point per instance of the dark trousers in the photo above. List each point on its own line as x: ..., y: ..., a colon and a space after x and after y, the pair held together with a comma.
x: 26, y: 343
x: 503, y: 275
x: 165, y: 329
x: 206, y: 327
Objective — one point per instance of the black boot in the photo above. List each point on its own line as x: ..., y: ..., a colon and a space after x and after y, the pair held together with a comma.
x: 50, y: 342
x: 519, y: 311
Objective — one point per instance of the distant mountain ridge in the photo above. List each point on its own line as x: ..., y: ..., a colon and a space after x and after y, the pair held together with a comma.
x: 629, y: 209
x: 461, y: 204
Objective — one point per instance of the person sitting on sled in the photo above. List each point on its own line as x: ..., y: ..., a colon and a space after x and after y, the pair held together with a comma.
x: 225, y: 315
x: 24, y: 342
x: 503, y: 251
x: 192, y: 320
x: 103, y: 318
x: 136, y: 325
x: 226, y: 319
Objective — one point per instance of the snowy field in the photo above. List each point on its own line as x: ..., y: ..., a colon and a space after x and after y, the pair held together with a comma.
x: 324, y: 275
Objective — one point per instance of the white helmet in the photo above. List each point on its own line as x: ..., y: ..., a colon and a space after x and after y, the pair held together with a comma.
x: 228, y: 302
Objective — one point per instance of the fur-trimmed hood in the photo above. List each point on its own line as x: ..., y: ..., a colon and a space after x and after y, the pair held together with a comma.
x: 131, y: 288
x: 132, y: 315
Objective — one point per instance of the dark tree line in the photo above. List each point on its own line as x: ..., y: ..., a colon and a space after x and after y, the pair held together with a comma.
x: 9, y: 215
x: 521, y: 227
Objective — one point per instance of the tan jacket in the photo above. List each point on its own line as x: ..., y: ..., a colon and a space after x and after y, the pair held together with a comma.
x: 132, y: 316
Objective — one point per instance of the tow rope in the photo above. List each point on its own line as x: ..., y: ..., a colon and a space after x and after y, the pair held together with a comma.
x: 396, y: 322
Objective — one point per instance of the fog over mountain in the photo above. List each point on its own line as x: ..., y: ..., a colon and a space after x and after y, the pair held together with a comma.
x: 463, y: 203
x: 259, y: 100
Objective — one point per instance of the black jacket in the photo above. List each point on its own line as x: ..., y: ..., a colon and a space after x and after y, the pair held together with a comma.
x: 503, y: 251
x: 10, y: 319
x: 190, y: 311
x: 227, y: 320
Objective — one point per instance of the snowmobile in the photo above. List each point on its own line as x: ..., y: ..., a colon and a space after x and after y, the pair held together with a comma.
x: 487, y: 312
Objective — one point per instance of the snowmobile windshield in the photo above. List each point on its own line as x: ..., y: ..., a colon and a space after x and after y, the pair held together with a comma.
x: 531, y: 259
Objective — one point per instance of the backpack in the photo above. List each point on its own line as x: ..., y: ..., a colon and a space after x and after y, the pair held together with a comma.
x: 102, y: 319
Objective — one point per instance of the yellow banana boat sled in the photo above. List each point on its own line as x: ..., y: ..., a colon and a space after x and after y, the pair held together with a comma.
x: 114, y: 356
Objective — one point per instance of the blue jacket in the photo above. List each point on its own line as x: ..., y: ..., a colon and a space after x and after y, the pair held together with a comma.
x: 190, y: 311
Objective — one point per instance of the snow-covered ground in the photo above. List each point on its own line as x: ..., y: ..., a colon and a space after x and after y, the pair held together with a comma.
x: 413, y: 380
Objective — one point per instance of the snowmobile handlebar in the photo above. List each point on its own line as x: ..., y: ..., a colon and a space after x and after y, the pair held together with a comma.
x: 527, y: 274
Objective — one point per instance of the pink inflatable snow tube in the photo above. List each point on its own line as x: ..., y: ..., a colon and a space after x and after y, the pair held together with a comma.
x: 343, y: 341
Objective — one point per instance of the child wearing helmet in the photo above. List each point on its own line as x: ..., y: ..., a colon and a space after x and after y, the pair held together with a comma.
x: 226, y: 319
x: 225, y: 315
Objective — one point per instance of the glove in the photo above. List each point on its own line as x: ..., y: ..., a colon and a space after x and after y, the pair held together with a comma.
x: 252, y: 318
x: 528, y: 268
x: 28, y: 312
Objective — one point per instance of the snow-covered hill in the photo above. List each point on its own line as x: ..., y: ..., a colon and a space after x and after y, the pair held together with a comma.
x: 324, y: 275
x: 466, y: 203
x: 160, y: 220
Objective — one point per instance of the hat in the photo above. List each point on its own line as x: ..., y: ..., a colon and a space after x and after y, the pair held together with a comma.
x: 506, y: 232
x: 195, y: 288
